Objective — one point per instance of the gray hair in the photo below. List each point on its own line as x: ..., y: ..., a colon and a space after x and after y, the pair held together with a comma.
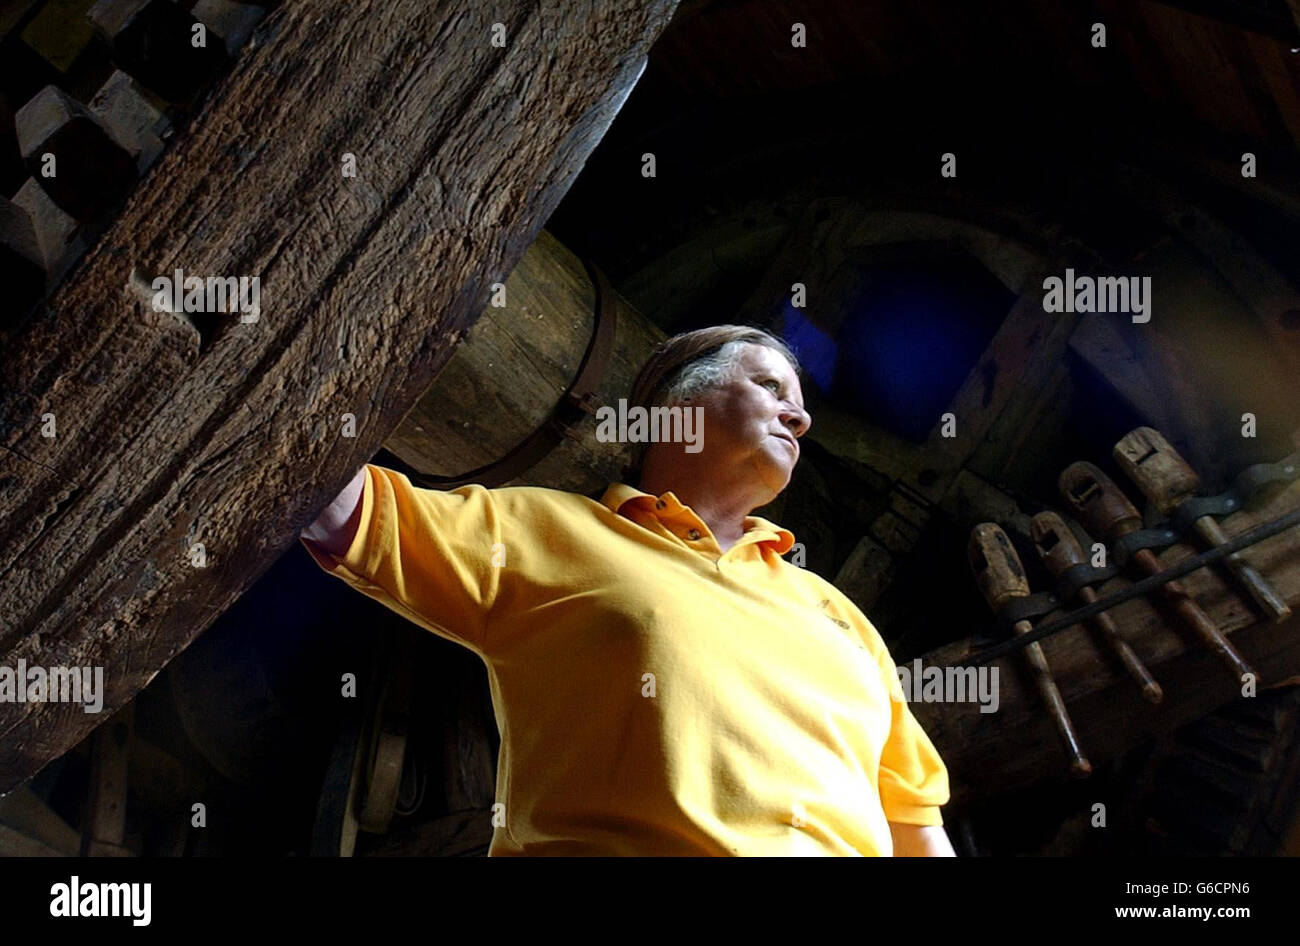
x: 698, y: 373
x: 710, y: 371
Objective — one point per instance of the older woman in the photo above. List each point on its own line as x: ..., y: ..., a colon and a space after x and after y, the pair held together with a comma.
x: 665, y: 683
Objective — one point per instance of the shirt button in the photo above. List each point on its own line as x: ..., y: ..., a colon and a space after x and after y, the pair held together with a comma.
x: 693, y: 534
x: 660, y: 504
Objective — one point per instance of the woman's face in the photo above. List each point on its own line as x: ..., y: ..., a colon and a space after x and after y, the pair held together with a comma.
x: 755, y: 419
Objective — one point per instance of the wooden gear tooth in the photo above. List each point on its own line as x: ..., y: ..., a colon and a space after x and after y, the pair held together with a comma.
x: 131, y: 117
x: 92, y: 170
x: 152, y: 41
x: 233, y: 22
x: 22, y: 264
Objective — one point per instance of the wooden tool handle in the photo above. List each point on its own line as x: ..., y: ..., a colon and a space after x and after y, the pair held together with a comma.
x: 1168, y: 481
x: 1042, y: 674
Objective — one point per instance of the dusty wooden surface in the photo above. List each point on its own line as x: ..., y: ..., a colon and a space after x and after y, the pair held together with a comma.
x: 1016, y: 746
x: 172, y: 431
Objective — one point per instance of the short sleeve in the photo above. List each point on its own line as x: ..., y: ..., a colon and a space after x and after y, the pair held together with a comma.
x: 426, y: 554
x: 912, y: 777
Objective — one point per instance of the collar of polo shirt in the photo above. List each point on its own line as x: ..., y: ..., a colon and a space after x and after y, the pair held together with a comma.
x: 669, y: 506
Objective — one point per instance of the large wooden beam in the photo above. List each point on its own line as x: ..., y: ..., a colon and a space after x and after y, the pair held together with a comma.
x: 172, y: 431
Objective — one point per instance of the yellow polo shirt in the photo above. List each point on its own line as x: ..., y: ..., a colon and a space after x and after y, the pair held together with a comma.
x: 654, y: 695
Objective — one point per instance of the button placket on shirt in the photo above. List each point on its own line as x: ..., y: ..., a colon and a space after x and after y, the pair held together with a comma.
x: 691, y: 534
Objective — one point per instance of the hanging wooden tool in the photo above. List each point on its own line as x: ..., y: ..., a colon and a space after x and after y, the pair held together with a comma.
x: 1171, y: 484
x: 1001, y: 578
x: 1104, y: 510
x: 1061, y: 553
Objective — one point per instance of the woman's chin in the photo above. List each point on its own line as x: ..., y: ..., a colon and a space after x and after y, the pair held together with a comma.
x: 777, y: 475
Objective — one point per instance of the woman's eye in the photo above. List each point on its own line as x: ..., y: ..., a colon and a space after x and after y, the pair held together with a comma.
x: 773, y: 385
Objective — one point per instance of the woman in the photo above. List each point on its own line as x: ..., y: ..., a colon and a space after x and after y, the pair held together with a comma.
x: 664, y: 682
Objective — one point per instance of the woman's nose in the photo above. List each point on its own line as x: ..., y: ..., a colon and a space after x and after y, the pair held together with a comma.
x: 797, y: 420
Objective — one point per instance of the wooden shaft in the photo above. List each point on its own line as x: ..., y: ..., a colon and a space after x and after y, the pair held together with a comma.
x: 125, y: 381
x: 1252, y: 581
x: 1176, y: 595
x: 1132, y: 663
x: 1042, y: 674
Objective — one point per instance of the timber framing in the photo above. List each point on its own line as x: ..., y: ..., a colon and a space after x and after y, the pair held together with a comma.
x: 171, y: 433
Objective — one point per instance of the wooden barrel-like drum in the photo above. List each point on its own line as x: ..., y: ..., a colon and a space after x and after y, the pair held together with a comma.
x: 512, y: 370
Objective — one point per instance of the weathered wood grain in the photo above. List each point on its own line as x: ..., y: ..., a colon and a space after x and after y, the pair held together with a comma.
x: 211, y: 430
